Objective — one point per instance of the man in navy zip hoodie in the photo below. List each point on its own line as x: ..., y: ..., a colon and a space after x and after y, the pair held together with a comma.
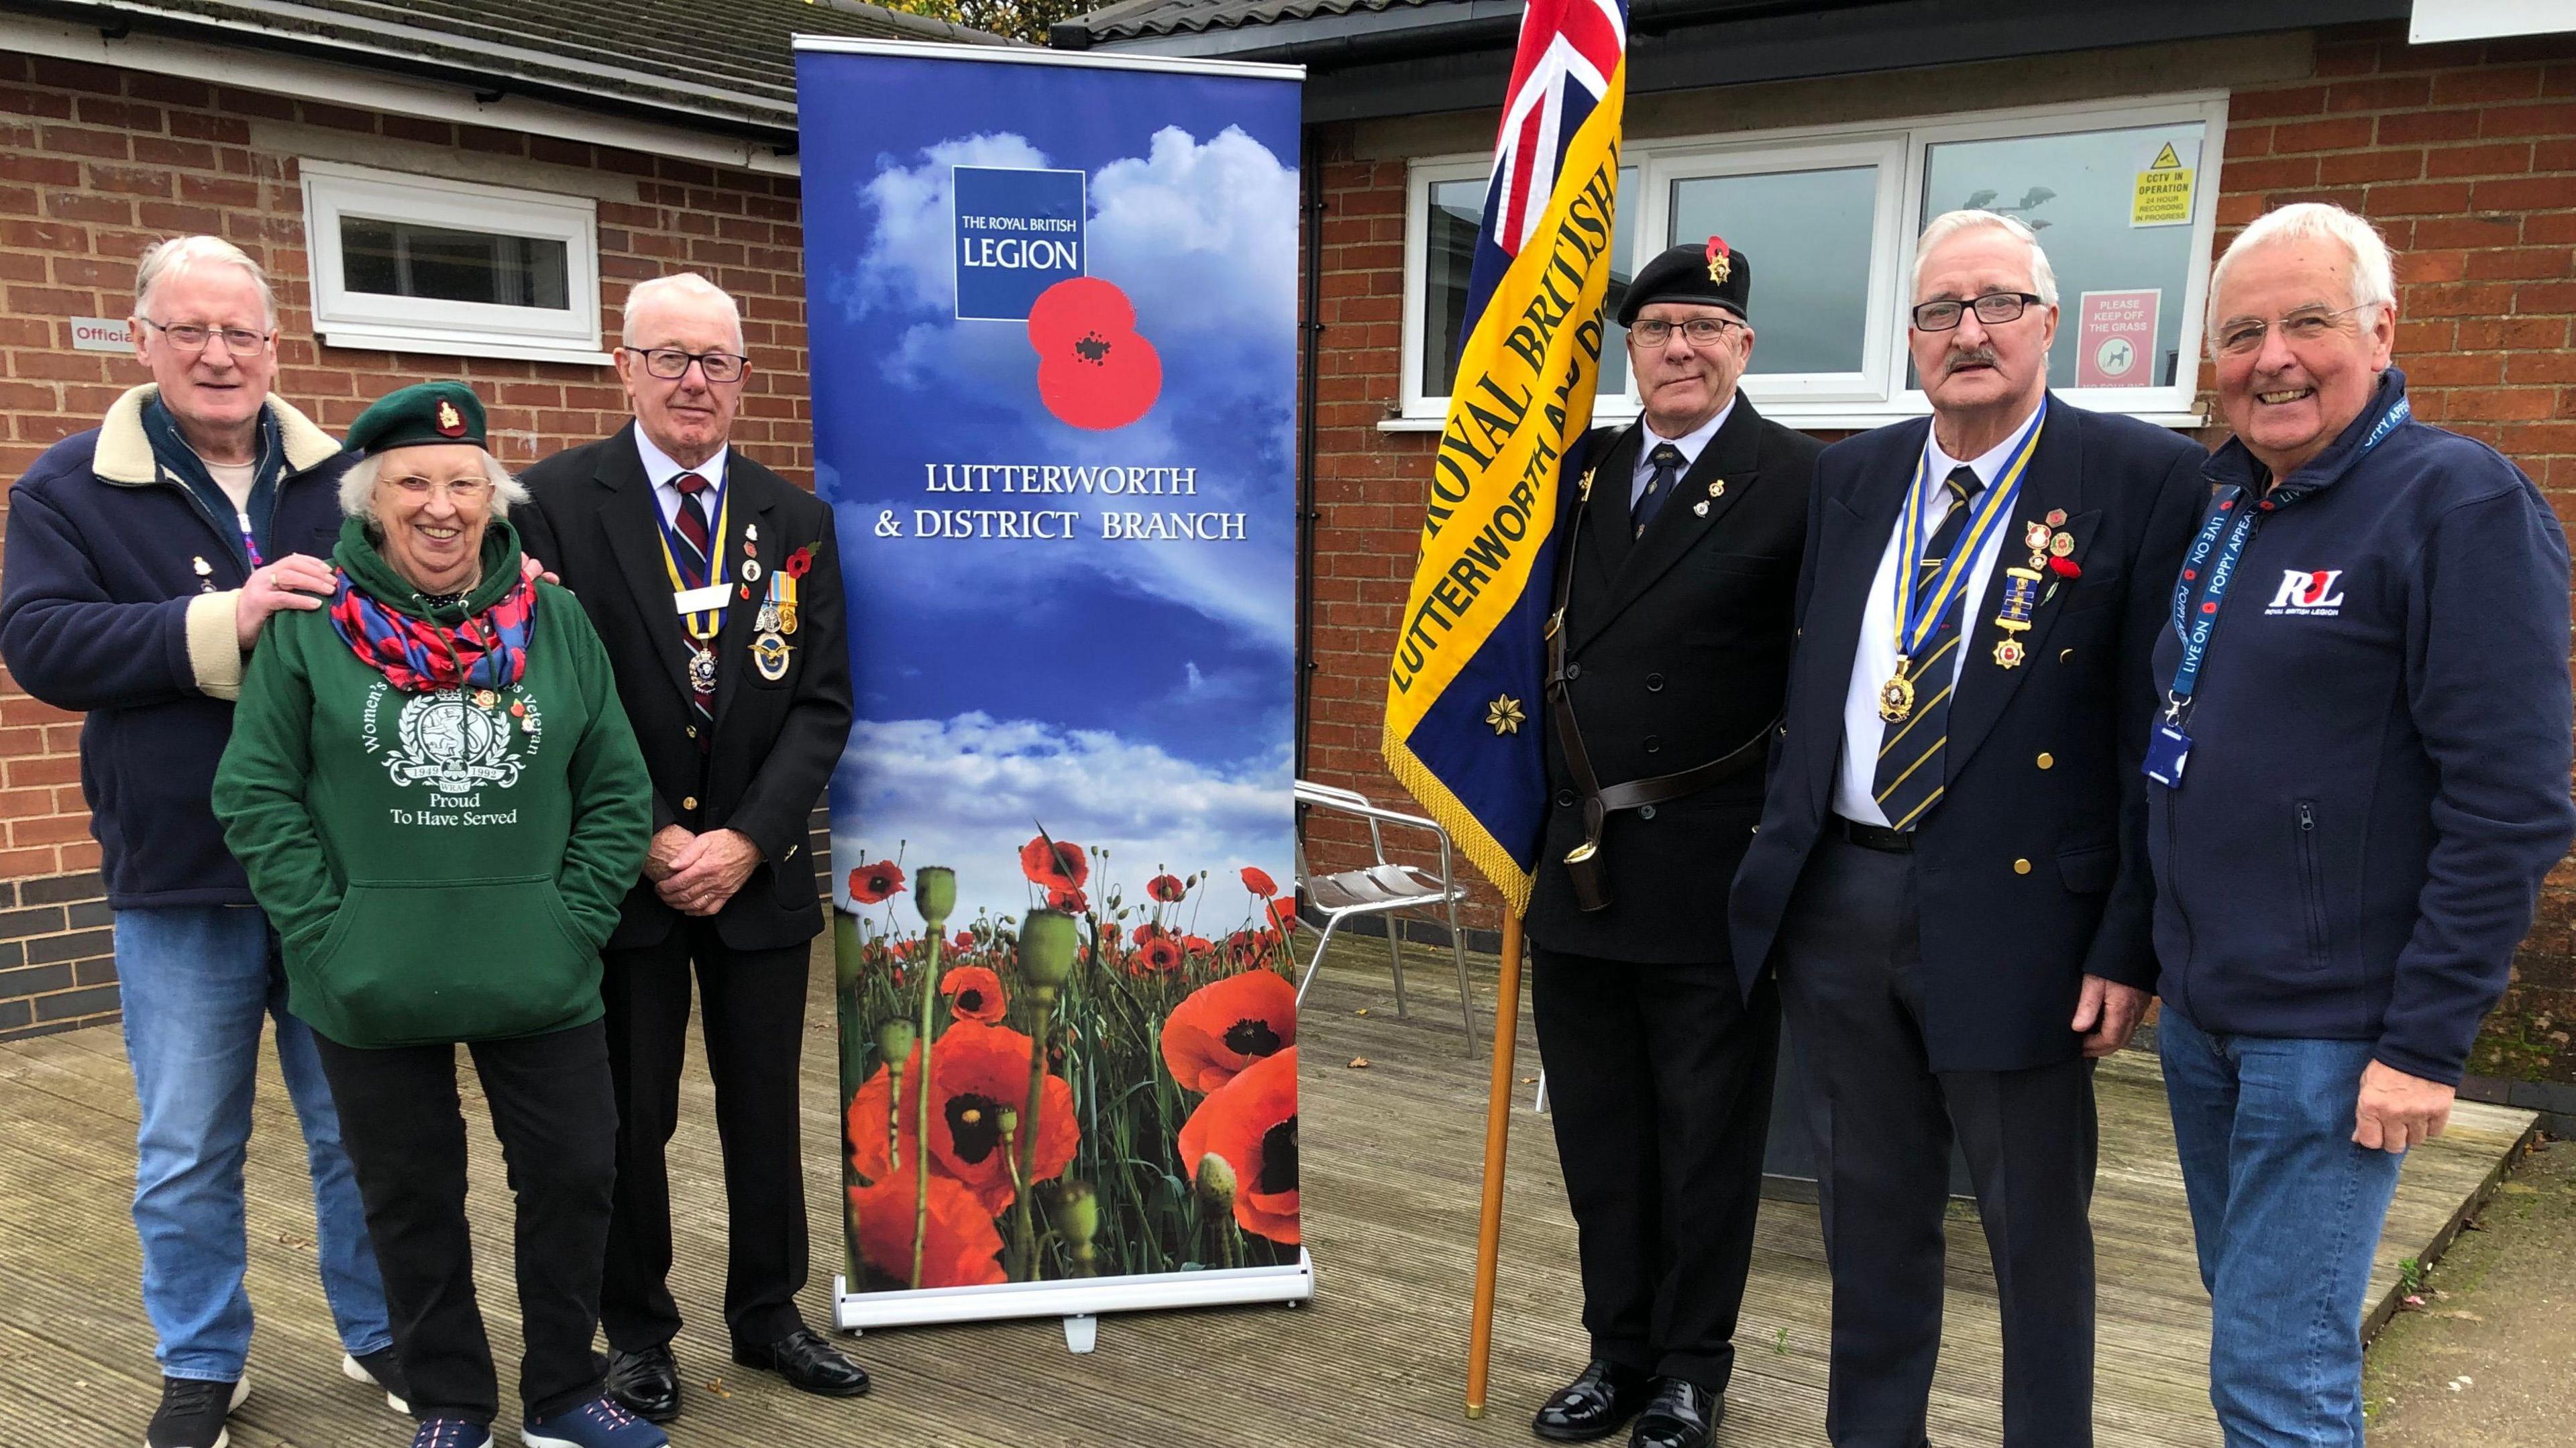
x: 143, y: 558
x: 2361, y: 776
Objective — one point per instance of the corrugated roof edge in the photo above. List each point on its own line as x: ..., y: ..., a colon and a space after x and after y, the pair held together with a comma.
x: 1132, y: 19
x: 922, y: 25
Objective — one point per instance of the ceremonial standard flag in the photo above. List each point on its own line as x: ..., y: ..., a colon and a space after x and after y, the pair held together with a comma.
x: 1463, y: 699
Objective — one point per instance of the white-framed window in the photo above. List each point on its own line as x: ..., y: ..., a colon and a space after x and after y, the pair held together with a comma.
x: 425, y: 264
x: 2123, y: 194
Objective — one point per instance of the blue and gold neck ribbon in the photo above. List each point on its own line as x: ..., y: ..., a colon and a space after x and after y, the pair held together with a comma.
x: 705, y: 623
x: 1920, y: 602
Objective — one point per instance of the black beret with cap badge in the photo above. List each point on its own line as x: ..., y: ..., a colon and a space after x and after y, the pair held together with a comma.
x: 1713, y: 275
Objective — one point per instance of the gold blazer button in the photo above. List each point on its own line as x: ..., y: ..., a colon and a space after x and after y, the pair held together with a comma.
x: 2047, y: 760
x: 2021, y: 867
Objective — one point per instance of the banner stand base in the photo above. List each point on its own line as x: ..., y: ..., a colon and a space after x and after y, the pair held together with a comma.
x: 1080, y: 1303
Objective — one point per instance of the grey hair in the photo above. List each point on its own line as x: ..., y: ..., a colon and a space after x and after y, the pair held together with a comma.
x: 2043, y: 277
x: 358, y: 486
x: 2374, y: 273
x: 179, y: 253
x: 679, y: 284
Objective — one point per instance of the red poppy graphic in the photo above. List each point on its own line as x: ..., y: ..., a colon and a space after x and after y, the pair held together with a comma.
x: 876, y: 1152
x: 1066, y: 867
x: 1166, y: 888
x: 1248, y: 948
x: 1071, y: 902
x: 1258, y: 881
x: 960, y: 1249
x: 965, y: 941
x: 795, y: 564
x: 1251, y: 1121
x: 1094, y: 369
x: 1225, y: 1026
x: 976, y: 1072
x: 974, y: 994
x: 1197, y: 945
x: 875, y: 884
x: 1283, y: 915
x: 905, y: 949
x: 1158, y: 951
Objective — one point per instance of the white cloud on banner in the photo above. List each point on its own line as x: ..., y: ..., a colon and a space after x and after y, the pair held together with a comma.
x: 968, y: 792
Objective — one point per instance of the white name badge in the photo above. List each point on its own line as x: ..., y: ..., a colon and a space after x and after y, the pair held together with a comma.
x: 699, y: 600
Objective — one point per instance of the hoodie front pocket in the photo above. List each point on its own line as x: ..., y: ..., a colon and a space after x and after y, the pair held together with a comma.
x: 452, y: 960
x: 2312, y: 884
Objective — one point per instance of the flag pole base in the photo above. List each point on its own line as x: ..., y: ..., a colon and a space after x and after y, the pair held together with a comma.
x: 1498, y: 1124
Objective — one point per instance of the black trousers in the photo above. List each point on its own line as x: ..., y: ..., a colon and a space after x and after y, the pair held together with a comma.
x: 556, y: 1118
x: 1659, y: 1085
x: 752, y: 1010
x: 1851, y: 980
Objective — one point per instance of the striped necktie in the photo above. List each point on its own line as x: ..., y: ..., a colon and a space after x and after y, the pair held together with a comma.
x: 1909, y: 777
x: 692, y: 524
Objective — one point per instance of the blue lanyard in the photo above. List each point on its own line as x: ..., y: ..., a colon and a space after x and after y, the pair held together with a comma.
x: 250, y: 545
x: 2203, y: 584
x: 672, y: 541
x: 1919, y: 605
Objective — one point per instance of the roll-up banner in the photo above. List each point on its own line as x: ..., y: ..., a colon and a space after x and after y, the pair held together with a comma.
x: 1051, y: 316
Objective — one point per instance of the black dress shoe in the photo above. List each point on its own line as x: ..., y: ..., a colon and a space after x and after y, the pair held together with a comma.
x: 646, y: 1383
x: 1682, y: 1415
x: 809, y: 1364
x: 1593, y: 1405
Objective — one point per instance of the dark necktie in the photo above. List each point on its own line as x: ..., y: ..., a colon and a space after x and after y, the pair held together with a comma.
x: 692, y: 522
x: 1909, y: 777
x: 1667, y: 462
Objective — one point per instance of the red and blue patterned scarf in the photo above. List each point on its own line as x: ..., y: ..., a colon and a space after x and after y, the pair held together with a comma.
x: 486, y: 651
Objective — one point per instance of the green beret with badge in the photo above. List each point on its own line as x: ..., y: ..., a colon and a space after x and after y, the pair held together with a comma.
x: 421, y: 415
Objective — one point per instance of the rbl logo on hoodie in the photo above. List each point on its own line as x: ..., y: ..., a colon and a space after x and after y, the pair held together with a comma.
x: 2306, y: 591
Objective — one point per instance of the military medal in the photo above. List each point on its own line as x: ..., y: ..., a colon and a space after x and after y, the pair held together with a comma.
x: 700, y: 596
x: 1922, y: 601
x: 702, y: 669
x: 2021, y: 588
x: 766, y: 621
x: 769, y: 655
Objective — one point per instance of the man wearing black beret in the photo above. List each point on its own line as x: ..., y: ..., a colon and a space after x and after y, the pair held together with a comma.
x: 1669, y: 656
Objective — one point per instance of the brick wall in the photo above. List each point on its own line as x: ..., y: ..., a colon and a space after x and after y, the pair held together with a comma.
x: 95, y: 164
x: 2464, y: 155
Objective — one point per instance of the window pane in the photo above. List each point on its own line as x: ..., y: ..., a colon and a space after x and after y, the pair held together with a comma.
x: 1449, y: 253
x: 2080, y: 192
x: 1807, y: 236
x: 405, y: 259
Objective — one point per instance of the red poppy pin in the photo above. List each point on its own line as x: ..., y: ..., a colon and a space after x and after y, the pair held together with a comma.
x: 797, y: 562
x: 1720, y: 260
x: 2065, y: 567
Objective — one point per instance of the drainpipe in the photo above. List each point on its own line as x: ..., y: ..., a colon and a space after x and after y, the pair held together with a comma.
x: 1311, y: 173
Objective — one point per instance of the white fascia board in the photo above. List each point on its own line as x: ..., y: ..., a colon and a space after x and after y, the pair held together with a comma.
x: 349, y: 85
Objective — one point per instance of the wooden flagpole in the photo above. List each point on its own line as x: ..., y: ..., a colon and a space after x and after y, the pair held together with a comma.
x: 1498, y: 1136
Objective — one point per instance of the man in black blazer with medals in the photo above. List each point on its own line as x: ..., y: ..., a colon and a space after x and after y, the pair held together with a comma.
x: 1950, y: 881
x: 1668, y: 655
x: 716, y: 587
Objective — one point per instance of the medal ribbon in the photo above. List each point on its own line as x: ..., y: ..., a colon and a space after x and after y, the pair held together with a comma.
x: 702, y: 625
x: 1919, y: 602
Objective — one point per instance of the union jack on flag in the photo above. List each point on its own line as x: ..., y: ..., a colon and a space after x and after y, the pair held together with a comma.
x: 1569, y: 58
x: 1471, y: 652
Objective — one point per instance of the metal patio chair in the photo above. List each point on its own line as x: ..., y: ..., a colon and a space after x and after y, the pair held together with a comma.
x: 1384, y: 888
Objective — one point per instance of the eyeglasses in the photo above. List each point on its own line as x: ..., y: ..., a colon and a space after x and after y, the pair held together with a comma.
x: 2240, y: 335
x: 462, y: 490
x: 189, y: 337
x: 672, y: 363
x: 1993, y: 309
x: 1700, y: 331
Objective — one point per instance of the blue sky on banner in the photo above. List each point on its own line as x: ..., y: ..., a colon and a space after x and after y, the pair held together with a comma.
x: 1136, y: 695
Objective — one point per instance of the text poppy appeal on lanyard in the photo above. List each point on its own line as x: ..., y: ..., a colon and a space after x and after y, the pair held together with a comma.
x: 2202, y: 587
x: 703, y: 623
x: 1920, y: 602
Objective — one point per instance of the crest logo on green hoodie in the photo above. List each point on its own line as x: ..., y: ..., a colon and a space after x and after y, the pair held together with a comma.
x: 453, y: 744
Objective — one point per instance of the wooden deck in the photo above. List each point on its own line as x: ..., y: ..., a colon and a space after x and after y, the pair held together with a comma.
x: 1391, y: 1165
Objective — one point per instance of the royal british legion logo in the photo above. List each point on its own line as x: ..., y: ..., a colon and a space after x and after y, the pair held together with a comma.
x: 1019, y: 232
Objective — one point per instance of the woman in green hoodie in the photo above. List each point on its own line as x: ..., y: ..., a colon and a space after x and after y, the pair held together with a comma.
x: 440, y: 804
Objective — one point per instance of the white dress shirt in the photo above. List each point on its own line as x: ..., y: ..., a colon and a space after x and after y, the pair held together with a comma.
x: 664, y: 472
x: 1690, y: 444
x: 1875, y: 659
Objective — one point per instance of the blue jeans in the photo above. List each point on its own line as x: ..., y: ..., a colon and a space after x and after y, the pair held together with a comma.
x: 2286, y: 1212
x: 197, y: 980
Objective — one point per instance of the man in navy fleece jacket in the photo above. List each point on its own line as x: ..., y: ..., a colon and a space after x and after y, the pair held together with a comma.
x: 2361, y: 775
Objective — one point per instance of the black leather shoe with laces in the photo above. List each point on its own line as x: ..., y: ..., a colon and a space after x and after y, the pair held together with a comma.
x: 646, y: 1382
x: 1681, y: 1415
x: 1594, y: 1405
x: 809, y: 1364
